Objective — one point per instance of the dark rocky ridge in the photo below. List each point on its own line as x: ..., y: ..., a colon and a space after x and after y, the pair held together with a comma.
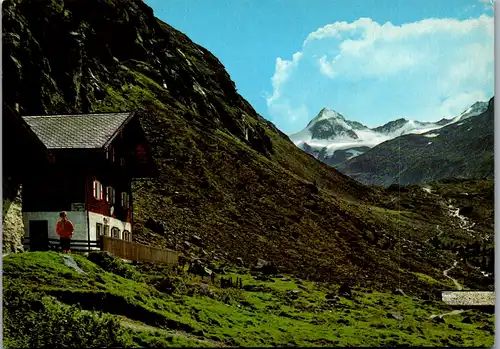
x: 226, y: 175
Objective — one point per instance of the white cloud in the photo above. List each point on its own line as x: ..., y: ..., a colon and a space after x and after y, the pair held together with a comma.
x: 282, y: 72
x: 292, y: 114
x: 440, y: 64
x: 459, y: 102
x: 488, y: 4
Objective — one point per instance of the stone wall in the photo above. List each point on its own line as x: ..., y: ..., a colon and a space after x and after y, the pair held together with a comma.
x: 12, y: 224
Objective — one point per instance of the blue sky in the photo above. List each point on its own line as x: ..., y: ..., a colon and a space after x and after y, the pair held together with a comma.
x: 371, y: 60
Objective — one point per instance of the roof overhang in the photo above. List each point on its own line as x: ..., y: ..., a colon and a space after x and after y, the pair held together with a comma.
x: 21, y: 142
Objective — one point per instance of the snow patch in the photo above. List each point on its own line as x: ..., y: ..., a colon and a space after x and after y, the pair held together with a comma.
x: 369, y: 137
x: 354, y: 153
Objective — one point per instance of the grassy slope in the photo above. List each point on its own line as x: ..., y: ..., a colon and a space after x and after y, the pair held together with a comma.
x: 264, y: 313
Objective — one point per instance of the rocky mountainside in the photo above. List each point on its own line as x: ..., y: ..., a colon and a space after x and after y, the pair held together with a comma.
x: 333, y: 139
x: 231, y: 187
x: 462, y: 149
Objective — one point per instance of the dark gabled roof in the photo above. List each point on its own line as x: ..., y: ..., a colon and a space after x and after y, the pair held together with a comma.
x: 24, y: 142
x: 78, y: 131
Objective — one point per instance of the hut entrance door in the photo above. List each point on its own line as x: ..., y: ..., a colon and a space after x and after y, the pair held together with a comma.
x: 39, y: 235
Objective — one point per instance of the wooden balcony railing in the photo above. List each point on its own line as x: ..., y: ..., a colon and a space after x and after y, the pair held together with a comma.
x: 138, y: 252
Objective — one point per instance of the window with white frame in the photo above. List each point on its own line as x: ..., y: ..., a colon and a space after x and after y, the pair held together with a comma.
x: 115, y: 233
x: 125, y: 200
x: 98, y: 190
x: 110, y: 195
x: 98, y: 229
x: 127, y: 235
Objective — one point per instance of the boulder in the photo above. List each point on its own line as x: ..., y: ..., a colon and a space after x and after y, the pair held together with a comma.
x: 437, y: 319
x: 240, y: 262
x: 155, y: 226
x: 198, y: 268
x: 195, y: 239
x: 166, y: 285
x: 294, y: 294
x: 396, y: 316
x: 330, y: 295
x: 465, y: 210
x: 467, y: 320
x: 261, y: 263
x: 399, y: 292
x: 343, y: 321
x: 345, y: 290
x: 265, y: 267
x: 151, y: 224
x: 204, y: 290
x: 333, y: 299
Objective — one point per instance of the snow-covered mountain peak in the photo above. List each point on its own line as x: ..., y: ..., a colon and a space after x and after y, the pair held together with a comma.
x: 326, y: 114
x: 328, y: 125
x: 330, y: 131
x: 474, y: 110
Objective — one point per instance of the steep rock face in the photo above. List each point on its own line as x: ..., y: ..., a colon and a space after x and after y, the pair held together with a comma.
x: 391, y: 126
x: 69, y: 60
x: 462, y: 149
x: 12, y: 224
x: 226, y: 175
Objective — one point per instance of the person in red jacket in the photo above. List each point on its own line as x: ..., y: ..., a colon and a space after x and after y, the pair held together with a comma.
x: 65, y: 229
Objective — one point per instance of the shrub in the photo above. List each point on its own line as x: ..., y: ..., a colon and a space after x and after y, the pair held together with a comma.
x: 33, y: 320
x: 229, y: 295
x: 114, y: 265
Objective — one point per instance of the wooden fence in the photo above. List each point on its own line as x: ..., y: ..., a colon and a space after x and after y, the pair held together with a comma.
x: 138, y: 252
x: 117, y: 247
x: 76, y: 245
